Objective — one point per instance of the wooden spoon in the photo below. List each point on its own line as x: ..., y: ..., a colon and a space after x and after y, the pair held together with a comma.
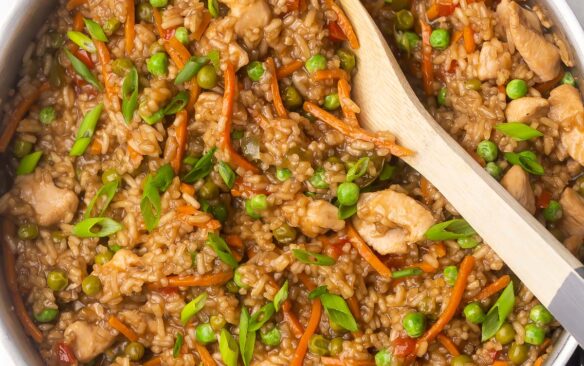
x: 388, y: 103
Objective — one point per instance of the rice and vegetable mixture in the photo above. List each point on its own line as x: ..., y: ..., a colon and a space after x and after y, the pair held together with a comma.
x: 192, y: 186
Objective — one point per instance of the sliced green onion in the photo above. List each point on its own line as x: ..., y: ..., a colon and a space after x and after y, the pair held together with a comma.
x: 105, y: 194
x: 448, y: 230
x: 150, y: 204
x: 86, y: 130
x: 177, y: 104
x: 518, y: 131
x: 317, y: 292
x: 163, y: 178
x: 154, y: 117
x: 347, y: 211
x: 82, y: 41
x: 28, y: 163
x: 95, y: 30
x: 213, y: 7
x: 177, y: 345
x: 190, y: 69
x: 246, y: 338
x: 82, y: 70
x: 228, y: 348
x: 281, y: 296
x: 527, y: 160
x: 227, y: 174
x: 261, y: 317
x: 358, y: 169
x: 192, y: 308
x: 408, y: 272
x: 498, y: 313
x: 387, y: 172
x: 96, y: 227
x: 215, y: 58
x: 307, y: 257
x: 338, y: 311
x: 202, y: 168
x: 130, y: 90
x: 222, y: 250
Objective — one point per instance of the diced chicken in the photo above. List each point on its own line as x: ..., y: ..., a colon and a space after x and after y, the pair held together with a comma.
x: 320, y: 217
x: 88, y: 340
x: 573, y: 212
x: 566, y: 106
x: 252, y: 16
x: 493, y: 58
x: 124, y: 260
x: 526, y: 108
x: 389, y: 221
x: 516, y: 182
x: 52, y: 205
x: 129, y: 271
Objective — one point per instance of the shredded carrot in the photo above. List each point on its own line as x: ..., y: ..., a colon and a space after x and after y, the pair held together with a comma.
x: 158, y: 22
x: 427, y: 66
x: 246, y: 190
x: 454, y: 301
x: 331, y: 361
x: 439, y: 248
x: 95, y: 148
x: 425, y: 190
x: 72, y: 4
x: 538, y: 361
x: 187, y: 188
x: 181, y: 140
x: 496, y: 286
x: 456, y: 36
x: 426, y: 267
x: 355, y: 132
x: 345, y: 24
x: 290, y: 318
x: 448, y: 344
x: 542, y: 347
x: 366, y: 252
x: 432, y: 12
x: 78, y: 22
x: 500, y: 363
x: 194, y: 90
x: 289, y: 69
x: 206, y: 357
x: 104, y: 57
x: 354, y: 307
x: 154, y: 361
x: 214, y: 279
x: 130, y: 26
x: 346, y: 103
x: 306, y: 281
x: 18, y: 114
x: 122, y: 328
x: 330, y: 74
x: 177, y: 52
x: 275, y: 88
x: 205, y: 21
x: 234, y: 241
x: 469, y: 44
x: 313, y: 321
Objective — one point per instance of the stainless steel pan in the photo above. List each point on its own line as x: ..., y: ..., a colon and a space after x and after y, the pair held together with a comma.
x: 19, y: 22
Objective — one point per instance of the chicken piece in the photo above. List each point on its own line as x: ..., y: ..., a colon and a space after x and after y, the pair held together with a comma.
x: 516, y: 182
x: 52, y: 205
x: 493, y: 59
x: 389, y: 221
x: 320, y: 217
x: 573, y: 212
x: 566, y: 106
x: 252, y: 17
x: 88, y: 340
x: 527, y: 108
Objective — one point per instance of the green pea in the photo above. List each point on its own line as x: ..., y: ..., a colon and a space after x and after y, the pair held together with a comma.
x: 347, y: 59
x: 205, y: 334
x: 91, y: 285
x: 467, y: 243
x: 487, y: 150
x: 209, y: 190
x: 553, y: 212
x: 57, y: 280
x: 144, y: 13
x: 272, y: 337
x: 516, y: 89
x: 219, y: 211
x: 232, y: 287
x: 534, y: 334
x: 255, y: 70
x: 414, y: 324
x: 348, y: 193
x: 440, y: 39
x: 47, y: 315
x: 569, y: 79
x: 111, y: 26
x: 134, y: 351
x: 383, y: 358
x: 207, y: 77
x: 121, y: 66
x: 473, y: 84
x: 115, y: 247
x: 461, y: 360
x: 182, y: 34
x: 404, y: 19
x: 494, y: 170
x: 441, y: 97
x: 259, y: 203
x: 474, y: 313
x: 238, y: 280
x: 315, y: 63
x: 109, y: 175
x: 217, y: 322
x: 518, y: 353
x: 450, y: 274
x: 157, y: 64
x: 505, y: 334
x: 292, y: 98
x: 28, y: 231
x: 283, y: 174
x: 103, y: 257
x: 284, y: 234
x: 250, y: 211
x: 336, y: 346
x: 158, y: 3
x: 407, y: 41
x: 47, y: 115
x: 332, y: 102
x: 318, y: 345
x: 318, y: 179
x: 21, y: 148
x: 540, y: 315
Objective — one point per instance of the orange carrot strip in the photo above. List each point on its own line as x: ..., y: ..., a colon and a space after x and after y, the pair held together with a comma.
x: 72, y: 4
x: 306, y: 281
x: 154, y: 361
x: 448, y: 344
x: 177, y: 52
x: 366, y: 252
x: 95, y: 148
x: 469, y: 43
x: 330, y: 74
x: 122, y: 328
x: 181, y: 139
x: 331, y: 361
x: 234, y: 241
x: 425, y: 190
x: 158, y: 22
x: 104, y: 57
x: 454, y: 301
x: 275, y: 88
x: 291, y: 319
x: 344, y: 96
x: 187, y: 188
x: 130, y: 26
x: 202, y: 27
x: 426, y: 267
x: 289, y: 69
x: 355, y: 132
x: 439, y: 249
x: 78, y: 22
x: 427, y: 66
x: 456, y: 37
x: 432, y: 12
x: 496, y: 286
x: 313, y: 321
x: 500, y: 363
x: 345, y: 24
x: 538, y: 361
x: 354, y: 307
x: 214, y: 279
x: 193, y: 95
x: 206, y: 357
x: 18, y: 114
